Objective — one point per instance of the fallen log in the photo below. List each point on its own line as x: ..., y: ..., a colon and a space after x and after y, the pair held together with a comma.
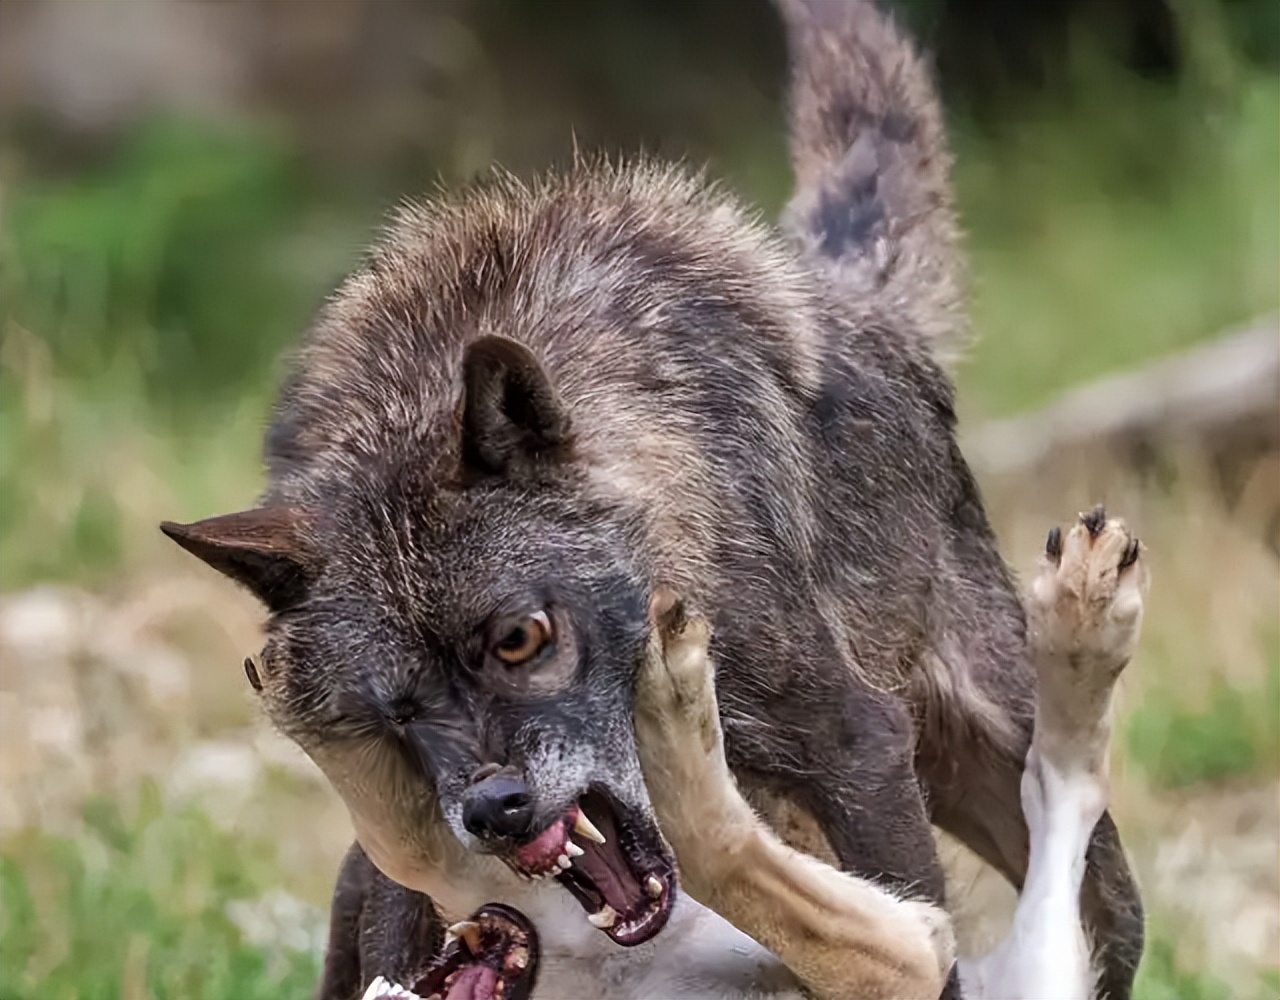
x: 1222, y: 398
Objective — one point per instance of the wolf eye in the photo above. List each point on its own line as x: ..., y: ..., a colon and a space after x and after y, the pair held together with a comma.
x: 524, y: 640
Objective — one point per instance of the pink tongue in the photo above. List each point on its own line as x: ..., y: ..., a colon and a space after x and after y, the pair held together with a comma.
x: 475, y: 982
x: 543, y: 850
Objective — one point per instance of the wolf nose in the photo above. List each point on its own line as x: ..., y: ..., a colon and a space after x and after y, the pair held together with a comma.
x: 499, y: 806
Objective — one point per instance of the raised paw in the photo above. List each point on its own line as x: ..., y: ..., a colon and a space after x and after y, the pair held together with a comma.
x: 1087, y: 600
x: 676, y: 691
x: 681, y: 747
x: 1084, y: 615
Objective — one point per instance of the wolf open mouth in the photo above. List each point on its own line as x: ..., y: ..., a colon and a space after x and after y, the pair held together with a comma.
x: 617, y: 870
x: 492, y: 955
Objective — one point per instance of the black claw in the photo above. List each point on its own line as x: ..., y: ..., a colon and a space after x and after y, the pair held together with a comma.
x: 1130, y: 554
x: 1095, y: 520
x: 1053, y: 544
x: 675, y: 618
x: 251, y: 671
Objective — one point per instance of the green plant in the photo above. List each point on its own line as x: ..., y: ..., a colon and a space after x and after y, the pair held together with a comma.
x: 139, y: 906
x: 1233, y: 736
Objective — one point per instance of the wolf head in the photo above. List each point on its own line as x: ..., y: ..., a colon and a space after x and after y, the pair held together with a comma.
x: 463, y: 650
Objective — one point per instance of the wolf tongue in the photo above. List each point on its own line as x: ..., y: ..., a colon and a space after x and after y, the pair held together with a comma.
x: 473, y: 982
x: 607, y: 868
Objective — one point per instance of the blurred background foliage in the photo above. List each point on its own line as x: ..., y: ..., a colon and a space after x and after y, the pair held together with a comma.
x: 182, y: 181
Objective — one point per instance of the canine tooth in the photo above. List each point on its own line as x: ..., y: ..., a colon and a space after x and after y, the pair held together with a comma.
x: 563, y: 861
x: 653, y: 887
x: 573, y: 850
x: 588, y: 829
x: 469, y: 931
x: 379, y: 986
x: 604, y: 917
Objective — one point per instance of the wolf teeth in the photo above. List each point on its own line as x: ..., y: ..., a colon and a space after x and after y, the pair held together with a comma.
x: 653, y: 887
x: 588, y: 829
x: 563, y: 861
x: 469, y: 931
x: 603, y: 918
x: 573, y: 850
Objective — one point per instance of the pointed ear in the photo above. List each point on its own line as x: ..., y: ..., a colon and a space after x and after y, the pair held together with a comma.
x: 267, y: 550
x: 511, y: 413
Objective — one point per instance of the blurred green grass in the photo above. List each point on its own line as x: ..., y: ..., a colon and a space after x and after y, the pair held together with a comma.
x: 140, y: 904
x: 146, y: 304
x: 1179, y: 745
x: 1095, y: 247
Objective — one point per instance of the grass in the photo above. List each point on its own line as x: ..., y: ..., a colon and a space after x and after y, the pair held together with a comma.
x: 1180, y: 745
x: 145, y: 303
x: 1085, y: 264
x: 1163, y: 976
x: 143, y: 905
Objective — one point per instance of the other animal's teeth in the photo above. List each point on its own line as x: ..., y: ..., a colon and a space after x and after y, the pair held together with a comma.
x: 604, y: 917
x: 653, y: 887
x: 518, y: 958
x: 378, y: 987
x: 573, y: 850
x: 588, y: 829
x: 563, y: 861
x: 469, y: 931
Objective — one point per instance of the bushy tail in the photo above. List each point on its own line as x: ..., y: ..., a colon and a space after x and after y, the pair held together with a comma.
x: 873, y: 204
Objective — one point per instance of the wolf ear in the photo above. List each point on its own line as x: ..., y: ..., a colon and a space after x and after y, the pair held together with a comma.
x: 511, y: 413
x: 266, y: 550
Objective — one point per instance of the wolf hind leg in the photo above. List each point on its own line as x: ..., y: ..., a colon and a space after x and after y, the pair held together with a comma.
x: 1084, y: 615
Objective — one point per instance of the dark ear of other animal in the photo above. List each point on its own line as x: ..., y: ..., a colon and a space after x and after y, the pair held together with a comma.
x: 264, y: 550
x: 511, y: 413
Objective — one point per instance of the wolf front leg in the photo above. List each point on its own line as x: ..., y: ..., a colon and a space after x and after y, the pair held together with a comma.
x: 1084, y: 614
x: 841, y: 935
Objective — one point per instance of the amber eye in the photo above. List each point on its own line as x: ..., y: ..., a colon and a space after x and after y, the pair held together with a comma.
x: 524, y: 640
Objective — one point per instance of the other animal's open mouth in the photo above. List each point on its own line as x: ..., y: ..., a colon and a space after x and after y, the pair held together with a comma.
x: 617, y: 869
x: 492, y: 955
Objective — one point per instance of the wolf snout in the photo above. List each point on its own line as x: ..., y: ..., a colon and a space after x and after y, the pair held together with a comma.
x: 498, y: 807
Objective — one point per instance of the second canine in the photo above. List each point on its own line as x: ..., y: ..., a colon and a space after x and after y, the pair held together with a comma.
x: 533, y: 407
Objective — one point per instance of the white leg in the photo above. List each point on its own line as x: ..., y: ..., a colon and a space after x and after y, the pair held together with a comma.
x: 1084, y: 615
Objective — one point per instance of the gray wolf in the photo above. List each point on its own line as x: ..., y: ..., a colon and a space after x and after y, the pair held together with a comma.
x: 532, y: 408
